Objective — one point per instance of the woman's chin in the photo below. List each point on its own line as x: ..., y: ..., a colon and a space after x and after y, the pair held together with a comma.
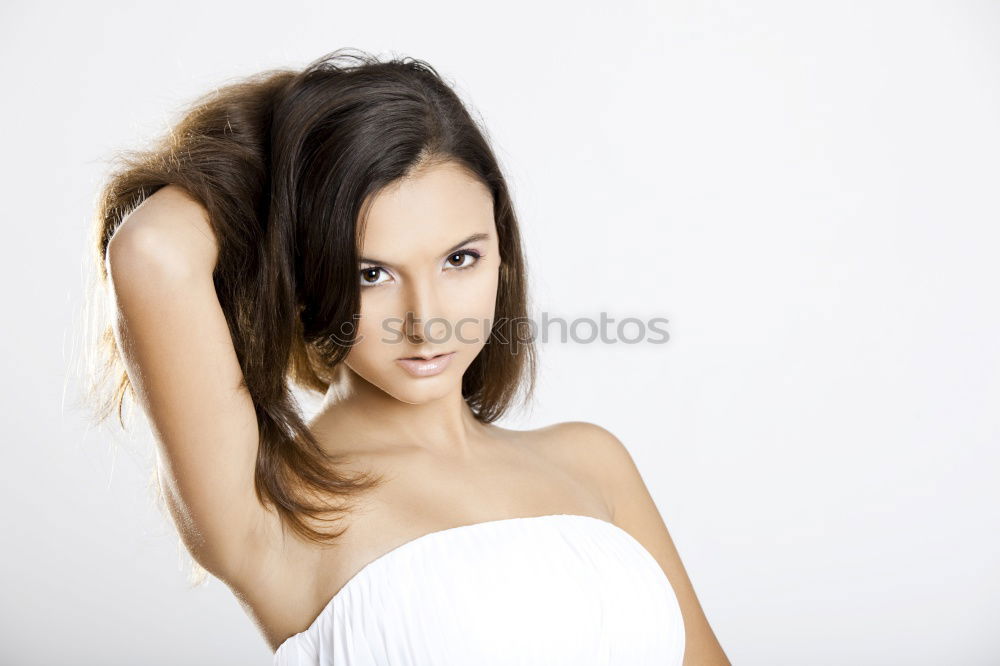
x: 417, y: 396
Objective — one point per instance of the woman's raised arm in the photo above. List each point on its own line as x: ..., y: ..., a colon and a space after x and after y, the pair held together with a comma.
x: 180, y: 358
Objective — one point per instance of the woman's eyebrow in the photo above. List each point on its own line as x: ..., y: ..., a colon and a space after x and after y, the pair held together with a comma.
x: 470, y: 239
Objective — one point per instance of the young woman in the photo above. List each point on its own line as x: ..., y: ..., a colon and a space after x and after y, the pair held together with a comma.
x: 347, y: 229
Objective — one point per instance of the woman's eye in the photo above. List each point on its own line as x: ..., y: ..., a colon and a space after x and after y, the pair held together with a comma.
x: 369, y: 277
x: 458, y: 259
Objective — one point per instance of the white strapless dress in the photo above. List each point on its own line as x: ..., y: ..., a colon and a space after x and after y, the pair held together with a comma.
x: 550, y: 590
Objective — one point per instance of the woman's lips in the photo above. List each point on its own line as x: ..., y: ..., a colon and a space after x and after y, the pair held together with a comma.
x: 428, y: 368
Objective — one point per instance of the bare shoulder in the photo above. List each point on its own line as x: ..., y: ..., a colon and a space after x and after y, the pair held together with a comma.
x: 585, y: 450
x: 610, y: 459
x: 588, y: 447
x: 602, y: 455
x: 577, y: 435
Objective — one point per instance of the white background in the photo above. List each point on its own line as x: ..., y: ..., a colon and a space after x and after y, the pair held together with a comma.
x: 807, y: 191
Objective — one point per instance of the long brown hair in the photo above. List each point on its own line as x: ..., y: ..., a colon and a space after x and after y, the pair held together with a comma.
x: 284, y: 162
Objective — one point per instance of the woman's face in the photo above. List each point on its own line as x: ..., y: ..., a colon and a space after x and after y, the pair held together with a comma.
x: 428, y: 274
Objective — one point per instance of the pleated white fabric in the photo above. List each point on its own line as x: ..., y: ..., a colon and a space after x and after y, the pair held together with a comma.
x: 550, y: 590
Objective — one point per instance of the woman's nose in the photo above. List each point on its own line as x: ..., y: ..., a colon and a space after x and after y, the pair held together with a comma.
x: 421, y: 316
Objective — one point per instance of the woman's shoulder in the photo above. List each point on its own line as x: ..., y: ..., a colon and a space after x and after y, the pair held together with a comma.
x: 574, y: 438
x: 588, y: 451
x: 599, y: 448
x: 579, y: 437
x: 560, y: 429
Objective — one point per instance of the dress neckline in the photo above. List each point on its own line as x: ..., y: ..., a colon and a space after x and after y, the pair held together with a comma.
x: 406, y: 545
